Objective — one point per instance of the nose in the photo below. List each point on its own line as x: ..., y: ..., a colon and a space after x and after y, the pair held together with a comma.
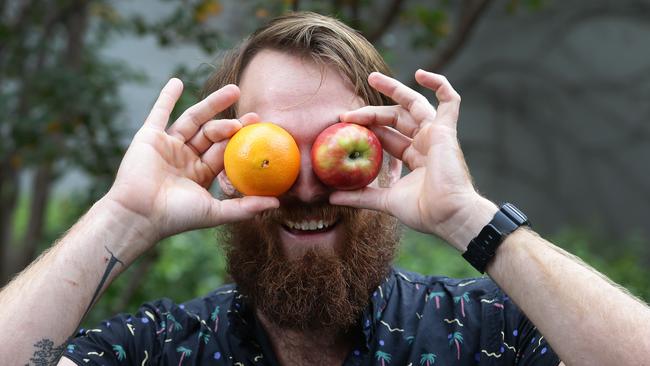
x: 307, y: 188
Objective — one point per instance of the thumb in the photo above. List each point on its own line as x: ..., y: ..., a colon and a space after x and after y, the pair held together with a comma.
x: 368, y: 197
x: 237, y: 209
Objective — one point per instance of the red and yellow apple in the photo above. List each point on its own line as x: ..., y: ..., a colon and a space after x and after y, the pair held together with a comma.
x: 346, y: 156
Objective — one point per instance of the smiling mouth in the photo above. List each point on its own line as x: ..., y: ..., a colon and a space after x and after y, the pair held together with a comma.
x: 307, y: 227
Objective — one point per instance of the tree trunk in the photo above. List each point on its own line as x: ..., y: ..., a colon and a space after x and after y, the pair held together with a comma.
x: 9, y: 191
x: 37, y: 210
x: 75, y: 18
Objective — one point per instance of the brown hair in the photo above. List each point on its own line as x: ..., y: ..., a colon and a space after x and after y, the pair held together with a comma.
x: 321, y: 38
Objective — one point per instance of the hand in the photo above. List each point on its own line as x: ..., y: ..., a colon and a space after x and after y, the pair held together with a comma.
x: 437, y: 196
x: 165, y: 175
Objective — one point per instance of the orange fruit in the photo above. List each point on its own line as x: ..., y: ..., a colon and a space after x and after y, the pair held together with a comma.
x: 262, y: 159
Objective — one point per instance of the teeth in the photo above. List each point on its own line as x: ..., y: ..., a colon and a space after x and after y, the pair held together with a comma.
x: 308, y: 224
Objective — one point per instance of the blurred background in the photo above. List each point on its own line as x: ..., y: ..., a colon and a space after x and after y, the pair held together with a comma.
x: 554, y: 118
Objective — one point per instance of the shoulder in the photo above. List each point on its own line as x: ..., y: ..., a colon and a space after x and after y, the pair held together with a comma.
x: 414, y: 284
x: 216, y: 300
x: 414, y: 299
x: 477, y: 300
x: 464, y: 320
x: 413, y: 313
x: 157, y: 330
x: 197, y: 309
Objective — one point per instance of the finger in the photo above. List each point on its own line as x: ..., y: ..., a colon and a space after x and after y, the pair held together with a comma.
x: 237, y: 209
x: 417, y: 105
x: 211, y: 132
x: 188, y: 124
x: 449, y: 99
x: 217, y: 130
x: 213, y: 157
x: 250, y: 118
x: 392, y: 140
x: 388, y: 115
x: 159, y: 115
x: 369, y: 197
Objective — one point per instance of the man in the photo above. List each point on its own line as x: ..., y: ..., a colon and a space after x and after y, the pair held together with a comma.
x: 324, y: 296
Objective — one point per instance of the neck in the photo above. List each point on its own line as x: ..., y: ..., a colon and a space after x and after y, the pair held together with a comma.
x: 295, y: 347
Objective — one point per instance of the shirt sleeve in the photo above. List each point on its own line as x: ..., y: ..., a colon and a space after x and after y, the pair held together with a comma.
x: 521, y: 337
x: 124, y: 339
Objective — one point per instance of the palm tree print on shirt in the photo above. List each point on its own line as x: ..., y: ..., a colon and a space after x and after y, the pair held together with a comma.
x: 184, y: 352
x: 215, y: 318
x: 173, y: 324
x: 462, y: 299
x: 119, y: 352
x: 204, y: 336
x: 437, y: 295
x: 427, y: 359
x: 383, y: 357
x: 457, y: 338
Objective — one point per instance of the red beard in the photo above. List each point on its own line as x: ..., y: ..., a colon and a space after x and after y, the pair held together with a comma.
x: 319, y: 290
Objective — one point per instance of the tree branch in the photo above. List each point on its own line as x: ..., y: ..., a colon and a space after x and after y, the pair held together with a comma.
x: 470, y: 14
x: 389, y: 17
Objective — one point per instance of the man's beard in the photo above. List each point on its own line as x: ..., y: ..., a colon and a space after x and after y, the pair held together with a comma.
x: 320, y: 290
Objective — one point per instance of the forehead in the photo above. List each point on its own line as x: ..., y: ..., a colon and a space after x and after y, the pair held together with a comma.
x: 287, y: 89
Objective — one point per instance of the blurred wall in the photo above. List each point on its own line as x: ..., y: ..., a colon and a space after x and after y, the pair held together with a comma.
x: 556, y: 113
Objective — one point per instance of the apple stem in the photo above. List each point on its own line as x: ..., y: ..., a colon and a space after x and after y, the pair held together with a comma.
x: 355, y: 155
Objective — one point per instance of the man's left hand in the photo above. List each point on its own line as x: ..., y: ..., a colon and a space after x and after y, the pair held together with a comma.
x: 437, y: 196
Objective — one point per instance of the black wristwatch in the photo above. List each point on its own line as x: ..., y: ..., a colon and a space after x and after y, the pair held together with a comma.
x: 482, y: 248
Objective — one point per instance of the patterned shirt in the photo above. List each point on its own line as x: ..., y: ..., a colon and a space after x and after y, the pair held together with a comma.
x: 411, y: 319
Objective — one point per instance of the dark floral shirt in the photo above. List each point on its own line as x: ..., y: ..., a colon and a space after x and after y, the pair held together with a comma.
x: 411, y: 320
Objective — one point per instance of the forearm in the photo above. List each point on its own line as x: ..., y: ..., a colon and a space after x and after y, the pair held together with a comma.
x: 581, y: 313
x: 44, y: 305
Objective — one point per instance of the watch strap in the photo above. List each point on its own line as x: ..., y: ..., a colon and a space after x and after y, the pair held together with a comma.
x: 482, y: 248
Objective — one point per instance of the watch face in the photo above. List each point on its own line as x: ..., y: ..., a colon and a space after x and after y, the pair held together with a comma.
x: 514, y: 214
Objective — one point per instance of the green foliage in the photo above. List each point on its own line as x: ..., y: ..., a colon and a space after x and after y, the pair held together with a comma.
x: 623, y: 261
x: 431, y: 24
x: 182, y: 267
x: 62, y: 101
x: 428, y: 255
x: 186, y: 23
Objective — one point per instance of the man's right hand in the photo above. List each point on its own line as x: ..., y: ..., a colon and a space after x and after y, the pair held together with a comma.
x: 165, y: 175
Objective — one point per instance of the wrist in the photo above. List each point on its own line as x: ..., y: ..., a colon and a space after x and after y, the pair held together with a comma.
x: 131, y: 234
x: 469, y: 221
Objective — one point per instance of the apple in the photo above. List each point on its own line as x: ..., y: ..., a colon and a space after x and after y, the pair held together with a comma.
x: 346, y: 156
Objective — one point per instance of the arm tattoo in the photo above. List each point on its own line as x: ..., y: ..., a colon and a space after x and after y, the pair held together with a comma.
x: 109, y: 268
x: 48, y: 355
